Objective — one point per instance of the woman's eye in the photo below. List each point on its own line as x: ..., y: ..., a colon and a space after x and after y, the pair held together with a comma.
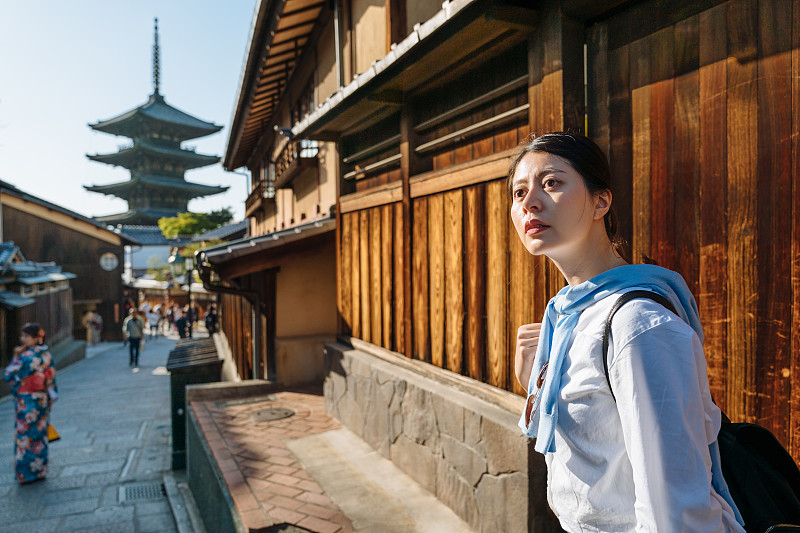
x: 550, y: 183
x: 519, y: 193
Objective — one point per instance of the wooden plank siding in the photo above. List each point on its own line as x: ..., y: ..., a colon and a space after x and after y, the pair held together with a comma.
x: 702, y: 135
x: 703, y: 138
x: 794, y: 367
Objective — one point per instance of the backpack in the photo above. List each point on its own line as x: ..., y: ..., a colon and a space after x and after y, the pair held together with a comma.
x: 762, y: 477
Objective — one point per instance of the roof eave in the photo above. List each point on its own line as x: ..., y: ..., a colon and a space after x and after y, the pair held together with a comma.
x: 261, y: 28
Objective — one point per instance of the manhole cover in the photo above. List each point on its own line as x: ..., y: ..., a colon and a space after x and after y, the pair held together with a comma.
x: 151, y: 491
x: 267, y: 415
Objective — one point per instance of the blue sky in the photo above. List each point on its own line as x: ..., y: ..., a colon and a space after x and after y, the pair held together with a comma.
x: 64, y: 65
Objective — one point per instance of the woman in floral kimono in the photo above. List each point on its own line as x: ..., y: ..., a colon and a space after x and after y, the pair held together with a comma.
x: 31, y: 376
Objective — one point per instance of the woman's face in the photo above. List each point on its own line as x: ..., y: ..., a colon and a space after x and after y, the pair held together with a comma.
x: 27, y: 340
x: 552, y: 210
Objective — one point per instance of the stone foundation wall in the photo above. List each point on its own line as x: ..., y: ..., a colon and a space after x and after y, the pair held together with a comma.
x: 456, y: 437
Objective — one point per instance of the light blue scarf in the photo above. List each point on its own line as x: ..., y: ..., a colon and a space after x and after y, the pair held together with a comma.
x: 560, y: 319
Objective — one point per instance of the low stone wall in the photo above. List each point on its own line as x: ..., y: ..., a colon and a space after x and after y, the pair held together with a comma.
x: 457, y: 437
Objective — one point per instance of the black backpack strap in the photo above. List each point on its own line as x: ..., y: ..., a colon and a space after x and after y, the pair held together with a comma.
x: 622, y: 300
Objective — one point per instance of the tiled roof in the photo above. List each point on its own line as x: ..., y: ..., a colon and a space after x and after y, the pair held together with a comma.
x: 224, y: 232
x: 150, y: 235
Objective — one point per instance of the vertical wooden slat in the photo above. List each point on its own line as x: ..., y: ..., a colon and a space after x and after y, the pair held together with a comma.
x: 661, y: 151
x: 742, y: 139
x: 794, y: 442
x: 436, y: 276
x: 774, y: 185
x: 355, y: 273
x: 640, y: 115
x: 420, y: 282
x: 620, y: 132
x: 345, y: 277
x: 364, y: 252
x: 475, y: 279
x: 375, y: 288
x: 496, y: 283
x: 597, y: 71
x: 386, y: 275
x: 686, y: 168
x: 399, y: 284
x: 454, y: 279
x: 713, y: 289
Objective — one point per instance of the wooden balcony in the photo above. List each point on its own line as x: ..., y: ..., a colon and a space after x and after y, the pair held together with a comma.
x: 256, y: 198
x: 296, y: 158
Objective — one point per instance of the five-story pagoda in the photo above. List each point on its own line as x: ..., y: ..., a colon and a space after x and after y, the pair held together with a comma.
x: 155, y: 158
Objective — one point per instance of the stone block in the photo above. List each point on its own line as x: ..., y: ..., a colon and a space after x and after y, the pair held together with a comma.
x: 396, y: 410
x: 419, y: 418
x: 472, y: 428
x: 457, y: 494
x: 505, y: 449
x: 350, y: 415
x: 449, y: 417
x: 376, y: 424
x: 415, y: 460
x: 465, y: 460
x: 359, y: 368
x: 503, y: 503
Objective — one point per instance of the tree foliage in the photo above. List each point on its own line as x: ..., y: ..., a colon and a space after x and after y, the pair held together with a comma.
x: 194, y: 223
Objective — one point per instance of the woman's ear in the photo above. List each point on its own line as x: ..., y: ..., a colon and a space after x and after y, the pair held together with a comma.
x: 602, y: 203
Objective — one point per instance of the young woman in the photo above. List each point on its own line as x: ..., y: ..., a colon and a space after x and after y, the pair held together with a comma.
x: 31, y: 376
x: 640, y: 460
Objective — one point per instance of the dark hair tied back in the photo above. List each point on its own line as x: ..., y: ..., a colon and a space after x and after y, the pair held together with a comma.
x: 34, y: 330
x: 587, y: 158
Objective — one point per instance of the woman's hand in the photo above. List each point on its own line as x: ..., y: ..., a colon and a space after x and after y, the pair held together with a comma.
x: 527, y: 341
x: 19, y: 349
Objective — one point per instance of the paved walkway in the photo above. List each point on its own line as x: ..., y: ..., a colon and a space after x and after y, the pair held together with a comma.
x: 288, y: 465
x: 106, y: 472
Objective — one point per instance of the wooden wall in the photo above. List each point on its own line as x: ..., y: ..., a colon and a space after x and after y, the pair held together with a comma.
x: 235, y: 322
x: 696, y: 104
x: 702, y: 132
x: 75, y: 252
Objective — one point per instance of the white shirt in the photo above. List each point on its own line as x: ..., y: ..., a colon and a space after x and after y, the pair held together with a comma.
x: 640, y: 463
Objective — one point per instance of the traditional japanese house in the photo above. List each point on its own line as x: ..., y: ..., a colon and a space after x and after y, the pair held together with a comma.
x: 155, y: 158
x: 414, y: 109
x: 282, y: 278
x: 81, y: 245
x: 40, y: 292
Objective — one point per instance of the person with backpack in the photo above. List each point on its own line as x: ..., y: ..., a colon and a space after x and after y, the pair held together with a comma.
x: 638, y: 452
x: 133, y: 331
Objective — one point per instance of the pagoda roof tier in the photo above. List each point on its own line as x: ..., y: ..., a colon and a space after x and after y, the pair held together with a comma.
x: 147, y: 216
x: 134, y: 186
x: 133, y: 155
x: 157, y: 116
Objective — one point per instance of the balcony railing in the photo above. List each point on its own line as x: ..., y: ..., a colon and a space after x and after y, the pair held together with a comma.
x: 263, y: 189
x: 295, y: 155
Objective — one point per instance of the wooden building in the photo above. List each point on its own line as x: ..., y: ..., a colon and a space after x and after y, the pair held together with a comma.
x: 414, y: 109
x: 40, y: 292
x: 81, y: 245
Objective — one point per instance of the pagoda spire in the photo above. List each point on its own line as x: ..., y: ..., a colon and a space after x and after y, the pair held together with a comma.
x: 156, y: 60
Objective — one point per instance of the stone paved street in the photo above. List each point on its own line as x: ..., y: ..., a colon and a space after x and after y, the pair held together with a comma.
x: 106, y: 471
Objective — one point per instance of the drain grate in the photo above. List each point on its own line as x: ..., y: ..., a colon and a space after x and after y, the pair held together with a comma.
x: 151, y: 491
x: 268, y: 415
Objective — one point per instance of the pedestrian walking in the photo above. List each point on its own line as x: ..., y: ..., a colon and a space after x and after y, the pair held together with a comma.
x: 133, y: 330
x: 96, y: 325
x: 637, y: 451
x: 153, y: 318
x: 31, y: 376
x: 212, y: 319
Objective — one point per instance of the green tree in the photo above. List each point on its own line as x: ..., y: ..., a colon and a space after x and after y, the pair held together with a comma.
x: 194, y: 223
